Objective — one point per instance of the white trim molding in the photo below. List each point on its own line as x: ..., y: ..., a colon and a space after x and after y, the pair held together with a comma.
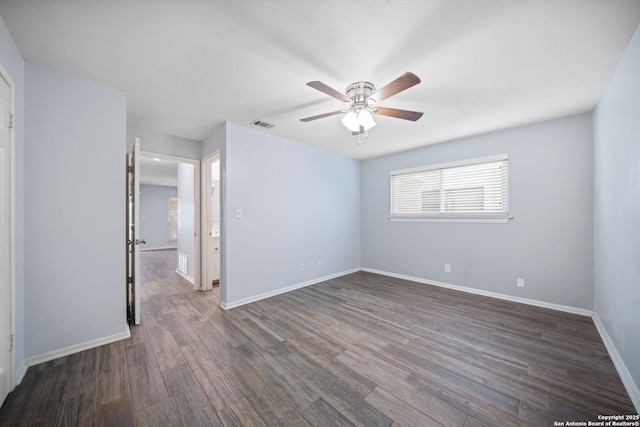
x: 4, y: 74
x: 76, y: 348
x: 238, y: 303
x: 159, y: 248
x: 543, y: 304
x: 469, y: 220
x: 625, y: 375
x: 21, y: 372
x: 186, y: 277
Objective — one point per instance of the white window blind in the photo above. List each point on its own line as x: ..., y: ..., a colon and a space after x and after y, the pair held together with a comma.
x: 475, y: 188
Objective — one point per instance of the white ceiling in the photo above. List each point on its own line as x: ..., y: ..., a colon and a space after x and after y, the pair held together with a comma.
x: 158, y: 172
x: 189, y: 65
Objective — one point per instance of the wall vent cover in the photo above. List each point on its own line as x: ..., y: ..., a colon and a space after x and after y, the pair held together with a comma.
x: 262, y: 124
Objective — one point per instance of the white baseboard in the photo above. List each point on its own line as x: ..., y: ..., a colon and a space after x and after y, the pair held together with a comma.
x: 625, y: 376
x: 20, y: 373
x: 188, y: 278
x: 159, y: 248
x: 558, y: 307
x: 238, y: 303
x: 76, y: 348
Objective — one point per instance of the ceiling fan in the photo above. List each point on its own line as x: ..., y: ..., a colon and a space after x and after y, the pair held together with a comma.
x: 362, y: 98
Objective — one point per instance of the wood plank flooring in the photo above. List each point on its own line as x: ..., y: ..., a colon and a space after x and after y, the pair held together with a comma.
x: 360, y: 350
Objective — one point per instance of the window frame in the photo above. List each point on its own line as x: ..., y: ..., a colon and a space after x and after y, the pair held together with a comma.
x: 442, y: 216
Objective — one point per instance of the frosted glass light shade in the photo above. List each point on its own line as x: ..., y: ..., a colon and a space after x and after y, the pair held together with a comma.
x: 353, y: 121
x: 350, y: 121
x: 366, y: 120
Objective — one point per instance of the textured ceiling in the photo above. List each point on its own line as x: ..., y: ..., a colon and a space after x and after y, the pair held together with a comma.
x: 189, y: 65
x: 158, y: 172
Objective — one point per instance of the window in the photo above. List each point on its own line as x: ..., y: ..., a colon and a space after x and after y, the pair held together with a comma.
x: 466, y: 190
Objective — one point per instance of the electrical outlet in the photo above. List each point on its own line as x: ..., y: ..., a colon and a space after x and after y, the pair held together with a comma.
x: 301, y: 267
x: 520, y: 283
x: 319, y: 264
x: 447, y: 268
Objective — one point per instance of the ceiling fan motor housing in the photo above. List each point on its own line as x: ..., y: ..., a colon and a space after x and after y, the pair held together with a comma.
x: 359, y: 92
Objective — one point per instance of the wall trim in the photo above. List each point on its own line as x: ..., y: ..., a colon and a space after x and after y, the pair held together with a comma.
x: 159, y: 248
x: 543, y: 304
x: 11, y: 327
x: 625, y: 375
x: 187, y: 278
x: 76, y: 348
x: 238, y: 303
x: 20, y: 373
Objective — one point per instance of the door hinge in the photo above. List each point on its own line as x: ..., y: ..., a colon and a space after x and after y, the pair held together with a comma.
x: 12, y: 118
x: 11, y: 340
x: 129, y: 169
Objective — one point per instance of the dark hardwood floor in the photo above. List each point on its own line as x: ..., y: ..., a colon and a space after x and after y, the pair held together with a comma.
x: 362, y: 350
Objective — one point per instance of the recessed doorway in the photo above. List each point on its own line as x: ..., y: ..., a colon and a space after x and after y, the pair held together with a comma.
x: 212, y: 247
x: 168, y: 208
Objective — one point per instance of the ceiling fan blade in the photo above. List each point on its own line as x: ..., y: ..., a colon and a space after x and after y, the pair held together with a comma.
x: 403, y: 82
x: 328, y: 90
x: 399, y: 114
x: 320, y: 116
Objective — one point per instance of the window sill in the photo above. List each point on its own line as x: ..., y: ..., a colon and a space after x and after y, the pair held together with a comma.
x: 465, y: 220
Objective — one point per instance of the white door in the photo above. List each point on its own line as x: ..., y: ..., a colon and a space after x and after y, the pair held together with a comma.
x: 6, y: 339
x: 133, y: 234
x: 136, y: 231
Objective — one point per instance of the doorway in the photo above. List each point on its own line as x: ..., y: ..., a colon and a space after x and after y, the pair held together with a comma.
x: 166, y: 215
x: 158, y: 198
x: 7, y: 236
x: 169, y: 211
x: 212, y: 222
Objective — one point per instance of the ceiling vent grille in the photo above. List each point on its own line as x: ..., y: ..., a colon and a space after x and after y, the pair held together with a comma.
x: 262, y: 124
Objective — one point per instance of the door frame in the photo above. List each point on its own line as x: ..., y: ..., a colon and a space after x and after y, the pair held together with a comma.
x: 206, y: 207
x: 12, y: 233
x: 197, y: 226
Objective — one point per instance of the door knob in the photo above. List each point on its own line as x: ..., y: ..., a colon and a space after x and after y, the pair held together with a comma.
x: 140, y: 242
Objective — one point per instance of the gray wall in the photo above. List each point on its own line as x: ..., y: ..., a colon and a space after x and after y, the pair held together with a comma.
x: 214, y: 142
x: 300, y: 205
x: 154, y: 215
x: 161, y: 143
x: 74, y: 210
x: 186, y: 212
x: 617, y: 210
x: 13, y: 63
x: 550, y: 246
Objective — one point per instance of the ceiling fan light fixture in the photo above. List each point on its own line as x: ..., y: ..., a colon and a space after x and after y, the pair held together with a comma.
x: 350, y: 121
x: 366, y: 119
x: 362, y: 119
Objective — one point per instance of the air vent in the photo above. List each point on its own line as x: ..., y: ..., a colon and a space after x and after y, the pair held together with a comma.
x: 262, y: 124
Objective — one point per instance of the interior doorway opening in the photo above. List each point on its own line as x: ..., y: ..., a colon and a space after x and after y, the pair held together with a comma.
x: 166, y: 217
x: 212, y: 247
x: 169, y: 205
